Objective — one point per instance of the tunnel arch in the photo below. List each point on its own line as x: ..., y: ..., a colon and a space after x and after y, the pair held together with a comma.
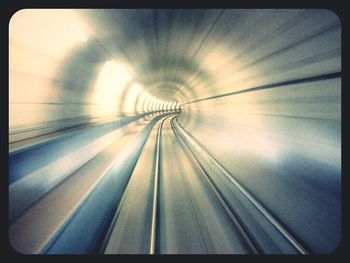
x: 238, y: 106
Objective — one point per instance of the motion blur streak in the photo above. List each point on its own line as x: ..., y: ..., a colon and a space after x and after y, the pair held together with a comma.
x: 175, y: 131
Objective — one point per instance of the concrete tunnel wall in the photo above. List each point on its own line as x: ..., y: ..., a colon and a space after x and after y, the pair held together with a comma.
x: 260, y: 89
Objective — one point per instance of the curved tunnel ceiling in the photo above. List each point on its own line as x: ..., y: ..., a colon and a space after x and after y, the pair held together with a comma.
x: 257, y: 99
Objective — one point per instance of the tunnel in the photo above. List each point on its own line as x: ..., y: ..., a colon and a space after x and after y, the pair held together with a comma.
x: 174, y: 131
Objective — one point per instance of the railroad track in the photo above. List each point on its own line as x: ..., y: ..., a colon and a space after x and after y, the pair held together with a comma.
x: 154, y: 190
